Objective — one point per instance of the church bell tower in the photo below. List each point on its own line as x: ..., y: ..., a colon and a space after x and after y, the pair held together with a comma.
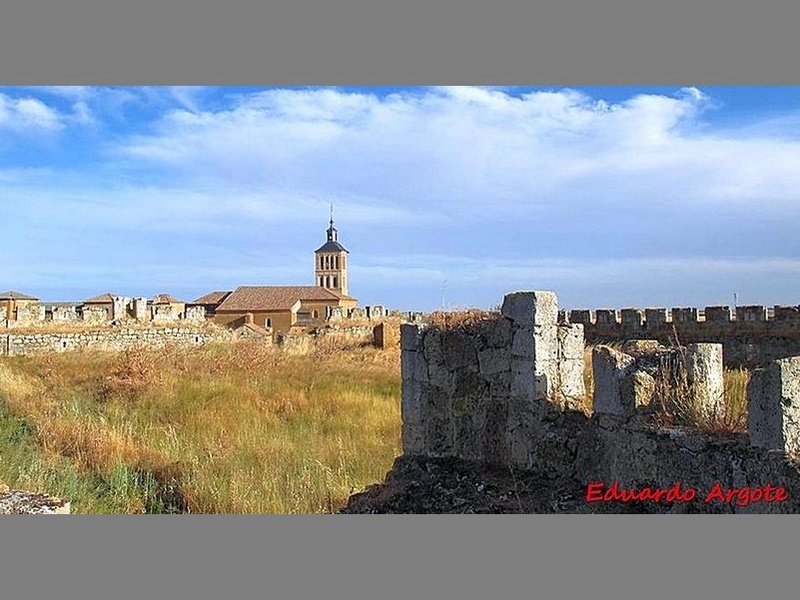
x: 330, y: 269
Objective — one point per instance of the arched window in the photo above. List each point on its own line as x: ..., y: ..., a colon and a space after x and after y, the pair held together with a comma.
x: 334, y: 281
x: 268, y: 322
x: 315, y: 314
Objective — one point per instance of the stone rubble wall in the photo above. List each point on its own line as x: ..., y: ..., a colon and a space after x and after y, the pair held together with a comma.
x: 502, y: 391
x: 480, y: 392
x: 13, y: 344
x: 751, y: 335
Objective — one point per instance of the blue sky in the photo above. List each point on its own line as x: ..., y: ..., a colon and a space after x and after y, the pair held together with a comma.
x: 609, y: 196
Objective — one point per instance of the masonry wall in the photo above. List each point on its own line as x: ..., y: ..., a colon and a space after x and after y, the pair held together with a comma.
x: 482, y: 391
x: 497, y: 391
x: 751, y: 335
x: 12, y: 344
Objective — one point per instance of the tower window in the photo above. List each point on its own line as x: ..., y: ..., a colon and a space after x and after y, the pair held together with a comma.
x: 334, y: 281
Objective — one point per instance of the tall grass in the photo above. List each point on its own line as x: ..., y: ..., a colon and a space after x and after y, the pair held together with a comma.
x: 229, y: 428
x: 674, y: 402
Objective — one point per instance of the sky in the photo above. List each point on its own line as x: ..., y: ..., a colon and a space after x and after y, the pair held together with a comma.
x: 445, y: 197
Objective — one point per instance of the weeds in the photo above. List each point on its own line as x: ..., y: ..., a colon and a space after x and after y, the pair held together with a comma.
x: 227, y: 428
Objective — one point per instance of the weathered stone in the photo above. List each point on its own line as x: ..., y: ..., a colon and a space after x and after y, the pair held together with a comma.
x: 459, y: 350
x: 527, y: 309
x: 571, y: 344
x: 409, y: 337
x: 572, y: 385
x: 493, y: 360
x: 639, y: 347
x: 773, y: 404
x: 636, y: 390
x: 413, y: 439
x: 655, y: 316
x: 610, y: 367
x: 704, y: 369
x: 411, y: 401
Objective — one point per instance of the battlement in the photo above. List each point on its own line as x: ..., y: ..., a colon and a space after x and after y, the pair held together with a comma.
x: 752, y: 335
x: 505, y: 389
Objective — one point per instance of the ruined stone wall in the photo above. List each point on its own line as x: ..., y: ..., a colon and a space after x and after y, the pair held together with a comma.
x: 12, y: 344
x: 481, y: 391
x: 751, y: 335
x: 501, y: 391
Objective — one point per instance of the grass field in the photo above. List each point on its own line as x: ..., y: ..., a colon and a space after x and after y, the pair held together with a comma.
x: 223, y: 429
x: 227, y: 428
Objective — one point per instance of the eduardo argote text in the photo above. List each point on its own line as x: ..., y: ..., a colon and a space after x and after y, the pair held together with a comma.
x: 744, y: 496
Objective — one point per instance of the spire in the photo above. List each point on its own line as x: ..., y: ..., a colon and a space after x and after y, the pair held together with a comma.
x: 332, y: 234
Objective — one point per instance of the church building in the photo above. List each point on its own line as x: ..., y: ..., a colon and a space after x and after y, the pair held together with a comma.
x: 281, y: 307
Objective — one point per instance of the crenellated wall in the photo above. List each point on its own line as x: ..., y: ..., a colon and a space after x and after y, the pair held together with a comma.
x: 13, y: 344
x: 751, y: 335
x: 501, y: 390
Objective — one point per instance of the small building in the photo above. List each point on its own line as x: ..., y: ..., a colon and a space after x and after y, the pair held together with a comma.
x: 165, y: 307
x: 210, y: 302
x: 280, y: 307
x: 12, y: 303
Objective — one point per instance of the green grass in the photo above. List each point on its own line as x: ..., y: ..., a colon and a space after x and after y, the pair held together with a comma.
x: 223, y: 429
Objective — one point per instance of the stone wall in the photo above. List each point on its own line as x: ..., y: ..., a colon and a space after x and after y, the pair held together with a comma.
x: 12, y: 344
x: 501, y: 390
x: 751, y: 335
x: 479, y: 391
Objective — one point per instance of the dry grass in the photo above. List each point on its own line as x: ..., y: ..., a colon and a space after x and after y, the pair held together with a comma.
x: 460, y: 319
x: 674, y: 402
x: 229, y: 428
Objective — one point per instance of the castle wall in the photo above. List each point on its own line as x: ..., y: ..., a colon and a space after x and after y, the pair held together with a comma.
x: 498, y: 391
x: 751, y: 335
x: 13, y: 344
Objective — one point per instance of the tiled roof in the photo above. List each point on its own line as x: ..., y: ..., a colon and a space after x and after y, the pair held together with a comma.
x: 12, y: 295
x: 212, y: 298
x: 275, y: 297
x: 165, y: 299
x: 331, y: 246
x: 101, y: 299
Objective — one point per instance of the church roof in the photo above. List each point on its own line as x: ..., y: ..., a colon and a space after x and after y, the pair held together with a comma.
x: 331, y: 246
x: 274, y: 297
x: 212, y: 298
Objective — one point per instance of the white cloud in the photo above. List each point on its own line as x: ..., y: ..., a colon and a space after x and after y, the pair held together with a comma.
x: 27, y: 113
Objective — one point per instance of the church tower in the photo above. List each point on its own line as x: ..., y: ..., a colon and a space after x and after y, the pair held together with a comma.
x: 330, y: 269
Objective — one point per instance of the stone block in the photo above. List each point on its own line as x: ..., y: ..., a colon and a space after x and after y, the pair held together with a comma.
x: 411, y: 401
x: 527, y: 309
x: 572, y: 386
x: 719, y: 314
x: 751, y: 313
x: 632, y: 316
x: 571, y: 342
x: 610, y: 367
x: 704, y: 369
x: 586, y: 317
x: 459, y: 350
x: 685, y: 315
x: 468, y: 436
x: 637, y: 389
x: 409, y: 336
x: 498, y: 333
x: 786, y: 313
x: 607, y: 316
x: 656, y: 316
x: 773, y: 404
x: 494, y: 360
